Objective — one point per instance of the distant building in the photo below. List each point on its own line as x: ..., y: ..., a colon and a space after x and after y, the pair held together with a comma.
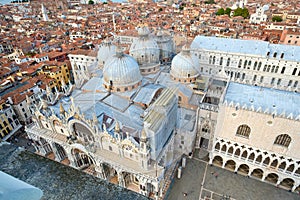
x: 250, y: 62
x: 259, y: 16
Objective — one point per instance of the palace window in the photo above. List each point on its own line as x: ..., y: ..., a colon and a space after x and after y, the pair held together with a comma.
x: 294, y: 71
x: 243, y: 130
x: 259, y: 65
x: 240, y: 63
x: 255, y: 64
x: 283, y: 140
x: 221, y: 61
x: 273, y: 68
x: 228, y: 62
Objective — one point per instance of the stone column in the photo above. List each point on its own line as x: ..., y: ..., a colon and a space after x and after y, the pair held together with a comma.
x: 223, y: 164
x: 121, y: 179
x: 278, y: 182
x: 236, y: 168
x: 263, y: 177
x: 100, y: 171
x: 71, y: 158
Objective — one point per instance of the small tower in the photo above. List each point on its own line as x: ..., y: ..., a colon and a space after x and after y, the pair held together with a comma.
x: 44, y: 14
x: 144, y: 150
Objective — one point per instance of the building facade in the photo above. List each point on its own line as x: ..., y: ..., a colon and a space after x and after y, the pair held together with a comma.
x: 255, y: 63
x: 257, y: 135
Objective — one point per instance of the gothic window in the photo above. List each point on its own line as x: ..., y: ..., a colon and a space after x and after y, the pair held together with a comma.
x: 294, y: 71
x: 273, y: 68
x: 259, y: 65
x: 210, y: 57
x: 243, y: 130
x: 272, y: 81
x: 265, y: 68
x: 282, y: 55
x: 245, y: 64
x: 228, y: 62
x: 283, y: 140
x: 254, y: 77
x: 205, y: 129
x: 261, y: 79
x: 214, y: 60
x: 282, y: 71
x: 110, y: 148
x: 240, y: 63
x: 221, y: 61
x: 296, y: 84
x: 255, y: 64
x: 278, y: 82
x: 269, y: 67
x: 274, y: 55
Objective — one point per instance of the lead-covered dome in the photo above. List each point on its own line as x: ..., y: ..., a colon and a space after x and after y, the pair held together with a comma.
x: 106, y: 50
x: 121, y: 73
x: 146, y: 51
x: 184, y: 66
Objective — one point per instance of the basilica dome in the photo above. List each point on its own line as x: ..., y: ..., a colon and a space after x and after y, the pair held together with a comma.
x: 146, y: 51
x: 121, y: 73
x: 184, y: 66
x: 106, y: 50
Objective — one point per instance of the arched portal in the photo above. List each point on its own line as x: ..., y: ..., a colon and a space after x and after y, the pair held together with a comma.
x: 82, y: 132
x: 230, y: 165
x: 243, y: 169
x: 61, y: 153
x: 218, y: 160
x: 258, y: 173
x: 287, y: 183
x: 45, y: 146
x: 81, y: 159
x: 130, y: 181
x: 272, y: 178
